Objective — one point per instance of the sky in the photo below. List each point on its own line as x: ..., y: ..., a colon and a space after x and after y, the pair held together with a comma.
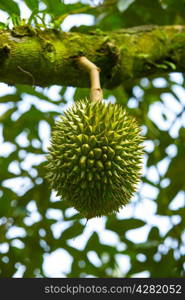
x: 58, y: 263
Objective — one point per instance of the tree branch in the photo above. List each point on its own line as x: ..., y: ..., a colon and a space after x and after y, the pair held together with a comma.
x: 47, y: 57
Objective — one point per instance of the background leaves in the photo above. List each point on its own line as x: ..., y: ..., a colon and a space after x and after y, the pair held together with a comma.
x: 10, y: 7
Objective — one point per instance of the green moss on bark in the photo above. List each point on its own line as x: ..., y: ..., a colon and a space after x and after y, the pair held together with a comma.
x: 31, y: 56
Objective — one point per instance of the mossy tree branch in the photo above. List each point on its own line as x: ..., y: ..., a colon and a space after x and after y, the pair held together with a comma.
x: 35, y: 57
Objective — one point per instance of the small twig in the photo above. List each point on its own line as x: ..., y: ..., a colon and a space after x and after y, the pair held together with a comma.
x: 96, y: 93
x: 27, y: 73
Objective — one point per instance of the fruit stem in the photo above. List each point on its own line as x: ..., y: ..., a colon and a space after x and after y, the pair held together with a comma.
x: 96, y: 93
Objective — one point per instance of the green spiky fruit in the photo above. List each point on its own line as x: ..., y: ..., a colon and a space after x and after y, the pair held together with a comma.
x: 94, y: 161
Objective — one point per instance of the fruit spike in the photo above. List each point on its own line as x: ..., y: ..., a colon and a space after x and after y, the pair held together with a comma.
x: 95, y: 156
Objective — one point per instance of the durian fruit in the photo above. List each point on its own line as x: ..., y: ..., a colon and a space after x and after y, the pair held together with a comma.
x: 94, y: 160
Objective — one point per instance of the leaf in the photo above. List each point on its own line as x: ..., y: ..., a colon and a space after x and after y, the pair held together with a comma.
x: 5, y: 203
x: 10, y: 7
x: 54, y: 7
x: 59, y: 205
x: 93, y: 242
x: 124, y: 4
x: 3, y: 25
x: 69, y: 9
x: 32, y: 4
x: 81, y: 93
x: 73, y: 231
x: 121, y: 226
x: 154, y: 234
x: 10, y: 98
x: 6, y: 117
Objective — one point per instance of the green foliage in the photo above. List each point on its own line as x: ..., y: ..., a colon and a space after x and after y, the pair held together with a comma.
x: 27, y: 115
x: 51, y: 17
x: 123, y: 14
x: 10, y: 7
x: 32, y: 4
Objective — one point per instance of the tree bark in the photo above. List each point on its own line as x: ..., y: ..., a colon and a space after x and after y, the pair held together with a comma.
x: 35, y: 57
